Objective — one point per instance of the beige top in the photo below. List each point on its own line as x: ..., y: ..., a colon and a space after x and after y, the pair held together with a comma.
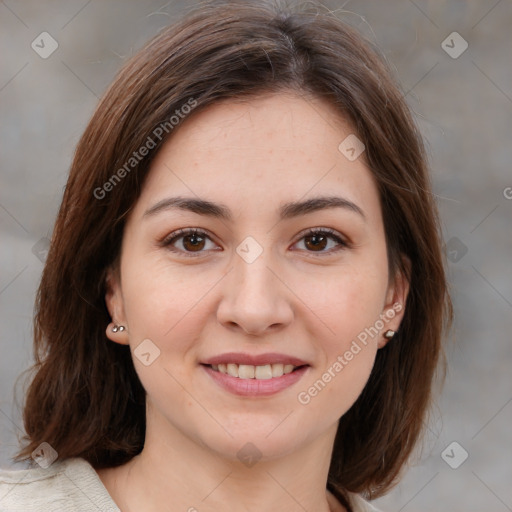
x: 72, y: 485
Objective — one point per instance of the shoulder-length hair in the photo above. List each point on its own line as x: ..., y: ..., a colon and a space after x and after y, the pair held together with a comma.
x: 85, y: 398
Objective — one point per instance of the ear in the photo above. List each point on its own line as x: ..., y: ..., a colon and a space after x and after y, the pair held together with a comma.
x: 396, y: 297
x: 115, y: 305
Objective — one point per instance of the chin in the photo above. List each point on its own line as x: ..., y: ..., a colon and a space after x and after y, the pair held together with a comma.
x: 258, y: 441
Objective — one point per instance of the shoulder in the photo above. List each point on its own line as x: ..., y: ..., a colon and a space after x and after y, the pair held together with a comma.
x: 361, y: 505
x: 357, y: 503
x: 65, y: 486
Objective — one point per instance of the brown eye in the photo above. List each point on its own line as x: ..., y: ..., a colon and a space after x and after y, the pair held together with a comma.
x: 193, y: 242
x: 188, y: 242
x: 316, y: 241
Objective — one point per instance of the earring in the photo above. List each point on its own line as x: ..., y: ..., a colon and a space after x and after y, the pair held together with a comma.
x: 389, y: 334
x: 118, y: 328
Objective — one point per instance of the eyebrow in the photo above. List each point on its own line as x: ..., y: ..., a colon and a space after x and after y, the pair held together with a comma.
x: 220, y: 211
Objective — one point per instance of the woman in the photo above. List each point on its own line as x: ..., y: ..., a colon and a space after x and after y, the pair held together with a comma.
x: 244, y: 299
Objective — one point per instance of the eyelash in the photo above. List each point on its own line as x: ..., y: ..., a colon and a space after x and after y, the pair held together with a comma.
x: 181, y: 233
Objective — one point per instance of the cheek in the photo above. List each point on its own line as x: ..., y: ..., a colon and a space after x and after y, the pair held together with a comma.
x: 347, y: 300
x: 349, y: 303
x: 164, y: 302
x: 169, y: 308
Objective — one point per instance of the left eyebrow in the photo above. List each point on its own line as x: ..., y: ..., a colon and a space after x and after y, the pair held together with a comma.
x: 294, y: 209
x: 286, y: 211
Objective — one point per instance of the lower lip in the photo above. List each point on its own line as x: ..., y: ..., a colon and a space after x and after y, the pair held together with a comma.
x: 255, y: 387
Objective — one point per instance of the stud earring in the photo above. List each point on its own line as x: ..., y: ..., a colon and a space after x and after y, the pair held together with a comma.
x: 117, y: 328
x: 389, y: 334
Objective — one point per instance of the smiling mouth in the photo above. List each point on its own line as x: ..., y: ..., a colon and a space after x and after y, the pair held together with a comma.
x: 248, y: 371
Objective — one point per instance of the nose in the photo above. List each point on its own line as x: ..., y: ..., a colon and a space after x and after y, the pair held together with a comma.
x: 254, y: 299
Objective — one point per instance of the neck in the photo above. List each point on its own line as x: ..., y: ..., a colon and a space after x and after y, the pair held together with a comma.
x: 185, y: 475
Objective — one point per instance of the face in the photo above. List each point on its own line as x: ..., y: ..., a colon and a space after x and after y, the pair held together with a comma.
x: 292, y: 292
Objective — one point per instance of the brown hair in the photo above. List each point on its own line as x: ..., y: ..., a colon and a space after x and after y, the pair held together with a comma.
x: 85, y: 398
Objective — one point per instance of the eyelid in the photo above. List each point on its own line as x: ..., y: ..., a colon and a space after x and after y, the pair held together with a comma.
x: 328, y: 231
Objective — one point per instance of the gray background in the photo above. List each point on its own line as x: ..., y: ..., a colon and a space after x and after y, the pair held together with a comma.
x: 464, y: 108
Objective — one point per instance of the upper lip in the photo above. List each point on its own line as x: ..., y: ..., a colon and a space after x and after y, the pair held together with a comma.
x: 254, y: 360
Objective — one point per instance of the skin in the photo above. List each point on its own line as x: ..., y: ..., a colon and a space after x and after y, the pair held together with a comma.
x: 294, y: 299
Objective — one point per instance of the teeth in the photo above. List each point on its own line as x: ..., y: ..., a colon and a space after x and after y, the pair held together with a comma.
x: 248, y: 371
x: 245, y: 371
x: 263, y: 372
x: 277, y: 370
x: 288, y: 368
x: 232, y: 370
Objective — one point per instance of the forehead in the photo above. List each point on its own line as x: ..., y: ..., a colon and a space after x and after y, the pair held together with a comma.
x: 259, y: 153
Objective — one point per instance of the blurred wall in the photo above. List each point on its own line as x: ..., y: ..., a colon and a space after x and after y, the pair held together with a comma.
x: 463, y: 101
